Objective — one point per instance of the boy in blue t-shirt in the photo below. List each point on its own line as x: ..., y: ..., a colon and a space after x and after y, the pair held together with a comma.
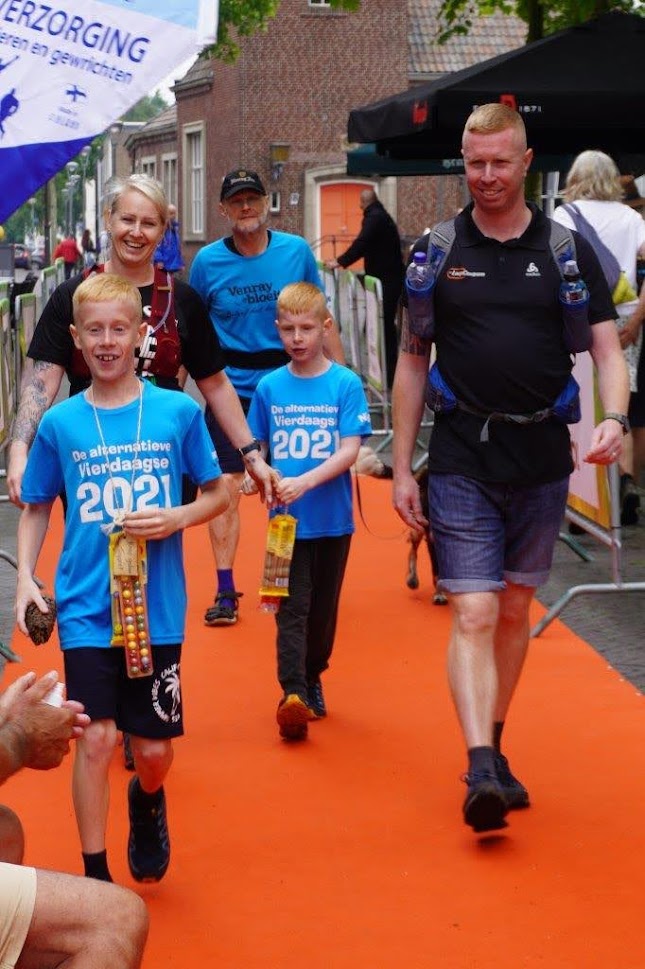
x: 310, y: 415
x: 118, y: 451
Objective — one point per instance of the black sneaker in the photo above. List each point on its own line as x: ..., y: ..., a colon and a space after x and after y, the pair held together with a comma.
x: 316, y: 700
x: 293, y: 716
x: 128, y: 759
x: 485, y: 806
x: 223, y: 612
x: 148, y: 844
x: 515, y: 793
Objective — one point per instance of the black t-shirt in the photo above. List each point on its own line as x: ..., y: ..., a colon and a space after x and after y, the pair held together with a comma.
x: 500, y: 348
x: 201, y: 353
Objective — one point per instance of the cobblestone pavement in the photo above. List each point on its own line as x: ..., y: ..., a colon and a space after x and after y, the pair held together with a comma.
x: 613, y: 622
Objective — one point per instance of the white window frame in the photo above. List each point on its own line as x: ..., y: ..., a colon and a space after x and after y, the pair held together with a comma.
x: 194, y: 182
x: 274, y: 203
x: 169, y: 161
x: 323, y: 4
x: 148, y: 165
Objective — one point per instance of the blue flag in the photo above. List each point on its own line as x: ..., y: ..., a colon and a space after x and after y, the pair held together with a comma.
x: 70, y: 68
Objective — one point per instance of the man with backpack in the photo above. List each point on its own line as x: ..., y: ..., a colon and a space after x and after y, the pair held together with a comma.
x: 500, y: 456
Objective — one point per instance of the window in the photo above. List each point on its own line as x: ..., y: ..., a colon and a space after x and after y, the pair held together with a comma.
x: 194, y: 181
x: 149, y: 166
x: 274, y: 205
x: 319, y: 3
x: 169, y: 177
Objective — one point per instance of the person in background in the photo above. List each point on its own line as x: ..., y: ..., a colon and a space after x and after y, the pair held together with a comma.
x: 239, y: 278
x: 168, y: 253
x: 68, y: 251
x: 594, y: 194
x: 88, y: 248
x: 48, y: 918
x: 379, y: 245
x: 104, y: 246
x: 498, y: 485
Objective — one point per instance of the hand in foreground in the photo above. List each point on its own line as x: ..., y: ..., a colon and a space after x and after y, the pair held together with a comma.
x: 153, y: 523
x: 264, y: 476
x: 248, y: 486
x: 15, y: 474
x: 289, y: 490
x: 43, y: 732
x: 407, y: 502
x: 27, y: 591
x: 606, y: 443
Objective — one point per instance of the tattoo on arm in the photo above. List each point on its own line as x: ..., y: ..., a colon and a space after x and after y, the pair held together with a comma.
x: 411, y: 343
x: 34, y: 401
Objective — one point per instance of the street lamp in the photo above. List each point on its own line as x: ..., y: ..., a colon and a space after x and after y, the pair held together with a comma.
x: 65, y: 196
x: 32, y: 203
x: 72, y: 180
x: 84, y: 156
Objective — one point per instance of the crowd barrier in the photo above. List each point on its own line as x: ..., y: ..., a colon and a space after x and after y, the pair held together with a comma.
x: 593, y: 502
x: 357, y: 305
x: 18, y: 323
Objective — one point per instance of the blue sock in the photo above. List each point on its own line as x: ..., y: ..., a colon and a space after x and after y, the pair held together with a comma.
x: 225, y: 581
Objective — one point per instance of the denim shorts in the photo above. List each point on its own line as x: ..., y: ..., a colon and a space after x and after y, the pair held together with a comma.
x: 488, y: 534
x: 230, y: 459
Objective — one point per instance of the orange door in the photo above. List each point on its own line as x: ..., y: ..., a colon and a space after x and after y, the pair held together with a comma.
x: 340, y: 218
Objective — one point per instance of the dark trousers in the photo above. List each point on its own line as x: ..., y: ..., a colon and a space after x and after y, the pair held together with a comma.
x: 391, y: 295
x: 307, y: 616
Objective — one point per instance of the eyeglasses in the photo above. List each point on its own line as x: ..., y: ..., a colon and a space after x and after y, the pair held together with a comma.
x: 241, y: 201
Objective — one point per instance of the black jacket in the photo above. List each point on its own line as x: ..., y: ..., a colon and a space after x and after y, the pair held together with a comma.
x: 378, y: 243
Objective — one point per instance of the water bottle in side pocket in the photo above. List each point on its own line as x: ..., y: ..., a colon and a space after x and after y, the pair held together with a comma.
x: 419, y: 283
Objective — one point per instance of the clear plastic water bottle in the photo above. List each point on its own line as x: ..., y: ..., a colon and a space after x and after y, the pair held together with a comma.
x: 574, y: 297
x: 419, y: 283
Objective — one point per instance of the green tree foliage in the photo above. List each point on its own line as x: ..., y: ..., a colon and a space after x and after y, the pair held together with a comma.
x: 542, y: 18
x: 148, y: 107
x: 240, y: 18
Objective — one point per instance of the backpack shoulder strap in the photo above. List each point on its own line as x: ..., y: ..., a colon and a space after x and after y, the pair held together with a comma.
x: 440, y: 241
x: 562, y: 244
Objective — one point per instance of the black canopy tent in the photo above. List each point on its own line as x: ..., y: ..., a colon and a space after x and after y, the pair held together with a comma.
x: 365, y: 160
x: 583, y: 87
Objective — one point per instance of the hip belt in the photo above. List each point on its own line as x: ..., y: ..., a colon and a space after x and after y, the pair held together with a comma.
x: 442, y: 400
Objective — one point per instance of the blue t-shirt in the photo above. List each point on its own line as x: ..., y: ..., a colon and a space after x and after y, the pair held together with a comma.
x: 67, y: 453
x: 241, y: 292
x: 303, y: 420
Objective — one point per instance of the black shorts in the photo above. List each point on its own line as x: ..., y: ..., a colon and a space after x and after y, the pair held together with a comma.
x: 149, y: 706
x: 230, y: 459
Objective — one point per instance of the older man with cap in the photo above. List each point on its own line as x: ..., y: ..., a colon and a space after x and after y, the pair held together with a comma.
x: 239, y: 277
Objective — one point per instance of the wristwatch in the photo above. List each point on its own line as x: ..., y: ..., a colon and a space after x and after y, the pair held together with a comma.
x: 622, y: 419
x: 253, y: 446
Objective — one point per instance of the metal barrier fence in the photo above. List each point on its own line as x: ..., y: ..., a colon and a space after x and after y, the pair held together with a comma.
x: 356, y: 303
x: 17, y: 327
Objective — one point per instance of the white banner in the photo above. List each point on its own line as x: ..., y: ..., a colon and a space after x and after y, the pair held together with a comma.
x: 70, y: 68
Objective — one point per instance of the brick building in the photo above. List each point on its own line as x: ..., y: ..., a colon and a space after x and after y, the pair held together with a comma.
x: 282, y: 109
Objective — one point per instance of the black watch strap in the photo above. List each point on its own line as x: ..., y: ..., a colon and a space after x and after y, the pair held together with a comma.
x: 253, y: 446
x: 621, y: 418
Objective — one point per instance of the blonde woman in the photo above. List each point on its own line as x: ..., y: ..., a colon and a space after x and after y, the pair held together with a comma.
x: 594, y: 191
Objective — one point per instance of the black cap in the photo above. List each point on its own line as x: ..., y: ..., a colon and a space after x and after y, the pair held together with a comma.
x: 239, y: 180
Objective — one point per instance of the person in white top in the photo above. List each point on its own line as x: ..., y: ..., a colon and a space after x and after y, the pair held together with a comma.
x: 593, y: 188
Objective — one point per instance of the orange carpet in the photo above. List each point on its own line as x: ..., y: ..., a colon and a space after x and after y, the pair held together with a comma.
x: 349, y: 850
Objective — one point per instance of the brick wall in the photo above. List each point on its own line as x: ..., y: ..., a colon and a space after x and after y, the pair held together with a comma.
x: 295, y: 84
